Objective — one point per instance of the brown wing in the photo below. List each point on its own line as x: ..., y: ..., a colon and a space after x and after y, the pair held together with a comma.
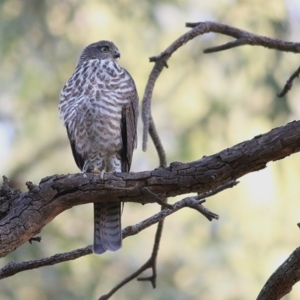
x: 129, y: 129
x: 68, y: 110
x: 77, y: 157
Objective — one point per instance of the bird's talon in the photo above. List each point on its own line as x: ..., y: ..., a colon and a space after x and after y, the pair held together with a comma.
x: 102, y: 174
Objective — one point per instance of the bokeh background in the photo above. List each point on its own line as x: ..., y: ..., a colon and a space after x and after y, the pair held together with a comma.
x: 201, y: 105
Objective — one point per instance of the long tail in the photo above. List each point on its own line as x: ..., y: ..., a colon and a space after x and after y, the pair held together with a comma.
x: 107, y: 227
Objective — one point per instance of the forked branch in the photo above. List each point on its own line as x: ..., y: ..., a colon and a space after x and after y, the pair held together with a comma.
x: 242, y: 38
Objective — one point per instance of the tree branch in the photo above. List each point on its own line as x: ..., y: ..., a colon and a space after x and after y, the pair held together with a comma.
x: 13, y: 268
x: 283, y: 279
x: 36, y: 208
x: 289, y: 83
x: 160, y: 63
x: 151, y: 262
x: 158, y: 144
x: 242, y: 38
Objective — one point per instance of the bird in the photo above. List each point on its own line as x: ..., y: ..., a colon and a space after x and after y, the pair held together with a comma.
x: 99, y: 108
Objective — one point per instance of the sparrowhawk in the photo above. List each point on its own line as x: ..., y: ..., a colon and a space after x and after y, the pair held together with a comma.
x: 99, y: 107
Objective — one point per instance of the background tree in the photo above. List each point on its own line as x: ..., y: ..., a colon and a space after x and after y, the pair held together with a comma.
x: 227, y: 98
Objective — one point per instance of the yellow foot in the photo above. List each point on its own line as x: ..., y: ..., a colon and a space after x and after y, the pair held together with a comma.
x: 108, y: 172
x: 97, y: 171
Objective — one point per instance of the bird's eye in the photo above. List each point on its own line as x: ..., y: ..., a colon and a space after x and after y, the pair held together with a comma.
x: 104, y: 49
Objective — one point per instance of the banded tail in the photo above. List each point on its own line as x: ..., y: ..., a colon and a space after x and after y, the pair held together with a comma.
x: 107, y: 227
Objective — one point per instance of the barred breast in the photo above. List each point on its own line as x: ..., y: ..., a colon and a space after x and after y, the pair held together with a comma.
x: 91, y: 107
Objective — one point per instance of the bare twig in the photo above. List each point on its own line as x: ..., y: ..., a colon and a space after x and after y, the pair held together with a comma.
x: 148, y: 193
x: 127, y: 279
x: 289, y: 83
x: 157, y: 143
x: 246, y: 38
x: 242, y: 38
x: 146, y: 103
x: 13, y: 268
x: 219, y: 189
x: 35, y: 239
x: 160, y: 63
x: 151, y: 263
x: 194, y: 203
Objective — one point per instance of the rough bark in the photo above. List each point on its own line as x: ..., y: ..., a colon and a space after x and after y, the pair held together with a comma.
x: 283, y: 279
x: 32, y: 210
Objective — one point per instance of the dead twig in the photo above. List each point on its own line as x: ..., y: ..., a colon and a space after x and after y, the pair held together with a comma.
x: 151, y: 195
x: 289, y: 83
x: 242, y: 38
x: 157, y: 143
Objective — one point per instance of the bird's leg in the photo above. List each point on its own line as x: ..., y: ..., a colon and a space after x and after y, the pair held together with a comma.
x: 114, y: 163
x: 97, y: 171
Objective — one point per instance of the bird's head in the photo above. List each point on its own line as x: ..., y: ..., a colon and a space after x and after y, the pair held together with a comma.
x: 103, y: 50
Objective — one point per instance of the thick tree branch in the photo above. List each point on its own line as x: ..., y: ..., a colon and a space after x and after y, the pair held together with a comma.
x: 283, y: 279
x: 36, y: 208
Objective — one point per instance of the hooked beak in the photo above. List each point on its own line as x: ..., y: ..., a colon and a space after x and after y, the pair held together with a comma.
x: 116, y: 55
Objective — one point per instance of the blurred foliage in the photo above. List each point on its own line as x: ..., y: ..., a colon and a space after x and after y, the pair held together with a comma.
x: 201, y: 104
